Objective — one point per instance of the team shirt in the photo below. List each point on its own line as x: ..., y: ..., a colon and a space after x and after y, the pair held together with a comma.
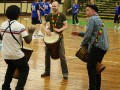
x: 117, y: 10
x: 47, y: 8
x: 74, y: 8
x: 34, y: 8
x: 41, y: 5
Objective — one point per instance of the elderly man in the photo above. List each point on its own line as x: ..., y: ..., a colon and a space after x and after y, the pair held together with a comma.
x: 97, y: 40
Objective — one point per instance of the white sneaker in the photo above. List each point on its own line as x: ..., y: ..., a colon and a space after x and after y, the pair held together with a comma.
x: 34, y: 37
x: 77, y: 24
x: 119, y: 28
x: 40, y: 34
x: 115, y: 27
x: 85, y: 27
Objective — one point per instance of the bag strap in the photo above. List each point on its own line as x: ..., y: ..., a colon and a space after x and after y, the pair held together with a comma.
x: 6, y: 29
x: 14, y: 36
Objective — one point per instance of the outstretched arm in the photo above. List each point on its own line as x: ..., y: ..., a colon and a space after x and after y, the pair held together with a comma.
x: 28, y: 38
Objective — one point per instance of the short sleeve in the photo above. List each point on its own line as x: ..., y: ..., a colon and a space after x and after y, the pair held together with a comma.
x: 23, y: 31
x: 64, y: 17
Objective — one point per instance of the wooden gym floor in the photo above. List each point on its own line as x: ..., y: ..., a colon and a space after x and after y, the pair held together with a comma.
x: 78, y: 78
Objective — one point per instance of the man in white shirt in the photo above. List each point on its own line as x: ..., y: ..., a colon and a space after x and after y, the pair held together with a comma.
x: 11, y: 49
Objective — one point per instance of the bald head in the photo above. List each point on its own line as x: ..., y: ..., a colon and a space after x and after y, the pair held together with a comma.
x: 56, y: 3
x: 55, y: 6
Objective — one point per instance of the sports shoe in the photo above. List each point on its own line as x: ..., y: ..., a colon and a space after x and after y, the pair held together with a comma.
x: 6, y: 87
x: 77, y: 24
x: 115, y: 27
x: 34, y: 37
x: 45, y: 74
x: 65, y: 76
x: 85, y: 27
x: 119, y: 28
x: 40, y: 34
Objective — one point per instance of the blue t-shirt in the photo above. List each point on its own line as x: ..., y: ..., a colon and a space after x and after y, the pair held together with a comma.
x: 41, y: 4
x: 74, y: 8
x: 34, y: 8
x: 117, y: 10
x: 47, y: 8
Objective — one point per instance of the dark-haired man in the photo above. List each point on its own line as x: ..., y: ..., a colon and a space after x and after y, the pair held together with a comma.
x: 11, y: 50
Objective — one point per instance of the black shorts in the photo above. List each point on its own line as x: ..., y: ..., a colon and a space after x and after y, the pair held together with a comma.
x: 36, y: 21
x: 116, y: 19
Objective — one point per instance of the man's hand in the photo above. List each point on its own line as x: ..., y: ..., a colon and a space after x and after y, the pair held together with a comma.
x: 48, y: 32
x: 31, y: 30
x: 57, y: 30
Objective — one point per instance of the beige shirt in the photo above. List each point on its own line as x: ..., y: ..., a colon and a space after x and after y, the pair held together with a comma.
x: 10, y: 47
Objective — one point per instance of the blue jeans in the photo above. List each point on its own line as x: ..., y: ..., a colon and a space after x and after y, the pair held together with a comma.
x: 23, y: 67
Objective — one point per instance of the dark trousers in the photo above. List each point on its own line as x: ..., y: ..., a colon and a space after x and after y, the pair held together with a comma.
x: 96, y: 55
x: 61, y: 55
x: 75, y: 18
x: 116, y: 19
x: 23, y: 67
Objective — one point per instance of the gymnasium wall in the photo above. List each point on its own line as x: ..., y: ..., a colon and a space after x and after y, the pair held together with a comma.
x: 25, y: 6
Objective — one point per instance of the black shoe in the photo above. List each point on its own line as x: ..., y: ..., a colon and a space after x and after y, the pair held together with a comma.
x: 65, y: 76
x: 45, y: 74
x: 5, y: 88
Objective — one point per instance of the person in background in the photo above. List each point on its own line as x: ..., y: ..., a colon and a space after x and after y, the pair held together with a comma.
x: 11, y: 50
x: 47, y: 8
x: 92, y: 2
x: 81, y: 5
x: 36, y: 18
x: 75, y: 11
x: 41, y: 8
x: 97, y: 40
x: 58, y: 23
x: 117, y: 16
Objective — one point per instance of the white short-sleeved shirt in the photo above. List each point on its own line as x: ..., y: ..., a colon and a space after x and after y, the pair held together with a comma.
x: 11, y: 49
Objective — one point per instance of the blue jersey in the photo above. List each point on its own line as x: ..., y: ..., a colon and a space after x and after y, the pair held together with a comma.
x: 34, y: 8
x: 74, y: 8
x: 41, y: 5
x: 47, y: 8
x: 117, y: 10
